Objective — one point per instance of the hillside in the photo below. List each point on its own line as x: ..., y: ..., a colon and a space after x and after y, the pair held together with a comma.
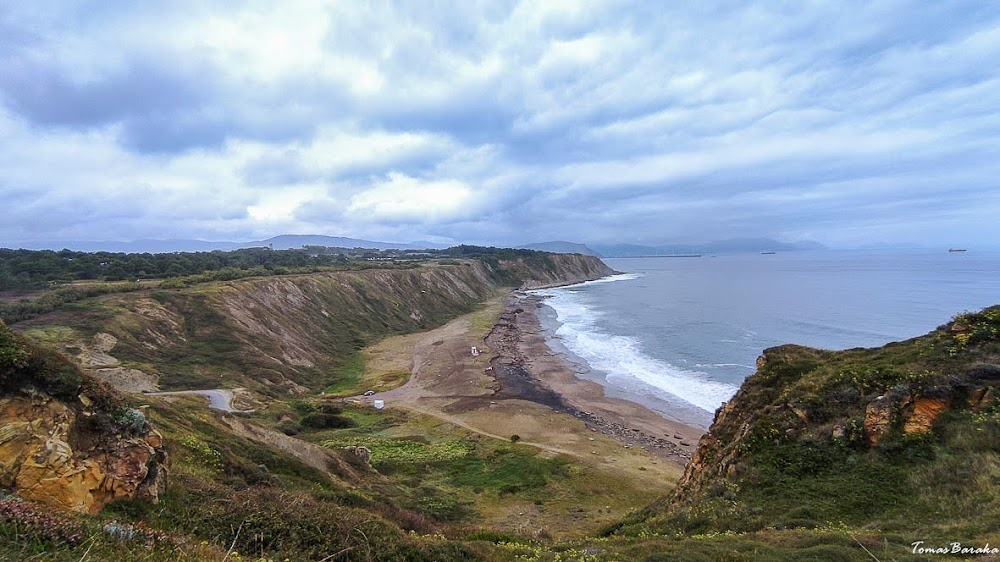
x: 89, y: 478
x: 307, y: 476
x: 280, y: 335
x: 902, y: 441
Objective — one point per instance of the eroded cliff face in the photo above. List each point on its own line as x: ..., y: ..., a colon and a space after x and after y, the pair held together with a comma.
x: 565, y: 269
x: 284, y: 335
x: 68, y: 441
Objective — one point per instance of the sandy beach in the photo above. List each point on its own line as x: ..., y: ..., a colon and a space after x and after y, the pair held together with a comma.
x: 518, y: 385
x: 527, y: 366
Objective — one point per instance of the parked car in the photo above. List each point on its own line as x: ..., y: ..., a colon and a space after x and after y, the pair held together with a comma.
x: 370, y: 393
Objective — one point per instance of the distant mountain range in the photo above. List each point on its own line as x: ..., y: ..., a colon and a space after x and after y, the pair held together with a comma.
x: 283, y: 242
x: 294, y: 241
x: 736, y: 245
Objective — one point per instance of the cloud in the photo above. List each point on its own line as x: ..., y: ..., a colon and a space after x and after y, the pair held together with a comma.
x: 497, y: 123
x: 401, y: 198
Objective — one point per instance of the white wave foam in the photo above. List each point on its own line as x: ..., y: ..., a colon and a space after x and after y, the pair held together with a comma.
x: 719, y: 365
x: 609, y: 279
x: 622, y: 357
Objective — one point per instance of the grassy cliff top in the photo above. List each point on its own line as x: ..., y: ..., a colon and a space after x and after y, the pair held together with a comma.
x: 903, y: 438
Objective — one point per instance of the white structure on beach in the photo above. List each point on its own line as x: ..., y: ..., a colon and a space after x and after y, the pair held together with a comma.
x: 475, y: 351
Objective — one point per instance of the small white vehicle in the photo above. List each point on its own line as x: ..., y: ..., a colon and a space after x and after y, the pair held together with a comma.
x: 370, y: 393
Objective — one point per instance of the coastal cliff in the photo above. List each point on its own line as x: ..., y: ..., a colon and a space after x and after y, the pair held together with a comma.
x: 282, y: 335
x: 67, y: 440
x: 899, y: 437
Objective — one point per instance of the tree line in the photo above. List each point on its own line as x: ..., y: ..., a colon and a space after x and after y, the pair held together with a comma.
x: 36, y: 269
x: 40, y: 269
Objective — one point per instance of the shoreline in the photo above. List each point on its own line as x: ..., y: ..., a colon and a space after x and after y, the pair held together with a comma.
x: 526, y: 367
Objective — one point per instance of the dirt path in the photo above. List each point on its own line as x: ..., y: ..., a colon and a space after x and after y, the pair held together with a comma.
x: 218, y: 398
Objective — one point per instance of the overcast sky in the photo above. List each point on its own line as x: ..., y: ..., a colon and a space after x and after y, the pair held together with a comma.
x: 499, y: 122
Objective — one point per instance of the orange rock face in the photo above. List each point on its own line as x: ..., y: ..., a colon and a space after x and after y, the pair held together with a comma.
x: 922, y: 416
x: 38, y: 462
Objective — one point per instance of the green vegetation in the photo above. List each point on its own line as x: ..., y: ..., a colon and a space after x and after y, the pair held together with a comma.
x: 38, y: 269
x: 348, y: 375
x: 432, y: 466
x: 29, y: 269
x: 60, y: 298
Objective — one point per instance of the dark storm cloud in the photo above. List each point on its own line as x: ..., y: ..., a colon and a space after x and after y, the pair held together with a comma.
x: 45, y: 96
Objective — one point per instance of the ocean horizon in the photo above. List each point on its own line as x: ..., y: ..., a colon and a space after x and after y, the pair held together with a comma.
x: 679, y: 335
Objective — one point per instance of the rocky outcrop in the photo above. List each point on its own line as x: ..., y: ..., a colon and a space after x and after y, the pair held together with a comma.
x: 68, y: 441
x: 915, y: 414
x: 363, y: 454
x: 923, y: 413
x: 38, y: 461
x: 879, y: 416
x: 567, y: 269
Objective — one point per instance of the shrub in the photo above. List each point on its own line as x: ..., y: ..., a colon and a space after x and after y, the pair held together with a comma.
x: 292, y: 524
x: 320, y: 420
x: 32, y: 522
x: 131, y: 420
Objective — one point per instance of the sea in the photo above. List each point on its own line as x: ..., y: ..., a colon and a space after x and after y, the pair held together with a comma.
x: 679, y: 334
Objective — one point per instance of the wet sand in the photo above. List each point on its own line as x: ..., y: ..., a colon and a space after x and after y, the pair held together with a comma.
x: 527, y: 368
